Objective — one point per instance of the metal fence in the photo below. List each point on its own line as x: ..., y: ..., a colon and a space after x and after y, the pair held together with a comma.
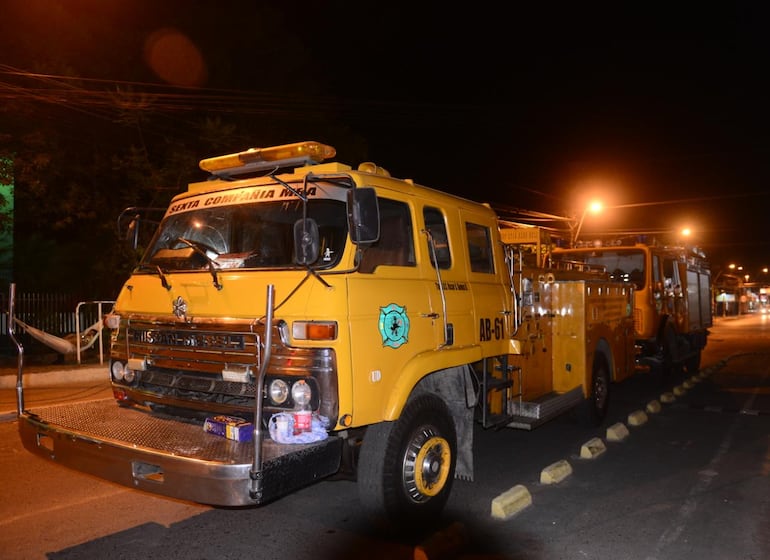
x: 55, y: 314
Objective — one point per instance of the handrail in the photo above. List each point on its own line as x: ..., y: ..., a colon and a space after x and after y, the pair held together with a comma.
x: 19, y: 347
x: 78, y: 334
x: 256, y: 473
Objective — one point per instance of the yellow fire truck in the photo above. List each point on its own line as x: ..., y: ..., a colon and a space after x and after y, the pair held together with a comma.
x: 672, y: 295
x: 398, y: 315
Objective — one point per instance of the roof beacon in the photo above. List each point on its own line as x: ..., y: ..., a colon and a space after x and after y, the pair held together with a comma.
x: 256, y: 159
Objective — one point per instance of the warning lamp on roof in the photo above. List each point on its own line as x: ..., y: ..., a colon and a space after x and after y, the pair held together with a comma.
x: 256, y: 159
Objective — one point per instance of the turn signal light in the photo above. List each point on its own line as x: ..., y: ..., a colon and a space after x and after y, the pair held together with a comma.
x: 314, y: 330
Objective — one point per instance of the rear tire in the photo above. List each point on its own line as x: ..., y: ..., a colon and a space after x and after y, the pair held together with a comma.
x: 672, y: 365
x: 593, y: 410
x: 693, y: 363
x: 406, y: 467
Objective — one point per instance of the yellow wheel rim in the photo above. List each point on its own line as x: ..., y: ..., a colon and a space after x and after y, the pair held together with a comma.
x: 431, y: 466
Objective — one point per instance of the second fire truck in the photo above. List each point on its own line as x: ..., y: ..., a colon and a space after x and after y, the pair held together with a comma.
x: 672, y: 295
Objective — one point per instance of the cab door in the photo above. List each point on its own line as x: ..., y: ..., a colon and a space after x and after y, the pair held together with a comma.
x: 450, y: 293
x: 392, y: 317
x: 490, y: 291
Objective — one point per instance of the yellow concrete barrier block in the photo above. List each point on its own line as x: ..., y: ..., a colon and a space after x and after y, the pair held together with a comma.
x: 688, y: 384
x: 679, y: 390
x: 637, y: 418
x: 695, y: 379
x: 617, y: 432
x: 511, y: 502
x: 667, y: 398
x: 653, y: 407
x: 555, y: 473
x: 592, y: 448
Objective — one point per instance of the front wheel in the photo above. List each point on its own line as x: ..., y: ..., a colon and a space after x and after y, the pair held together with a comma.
x: 406, y: 467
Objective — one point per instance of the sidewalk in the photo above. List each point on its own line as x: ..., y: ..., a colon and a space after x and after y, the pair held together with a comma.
x: 51, y: 375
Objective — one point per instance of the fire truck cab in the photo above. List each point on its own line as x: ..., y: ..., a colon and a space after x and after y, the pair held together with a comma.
x: 398, y: 315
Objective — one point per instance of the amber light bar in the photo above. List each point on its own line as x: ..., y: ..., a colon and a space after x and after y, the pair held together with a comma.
x: 255, y: 159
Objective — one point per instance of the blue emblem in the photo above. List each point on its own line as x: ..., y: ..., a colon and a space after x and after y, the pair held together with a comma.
x: 394, y: 325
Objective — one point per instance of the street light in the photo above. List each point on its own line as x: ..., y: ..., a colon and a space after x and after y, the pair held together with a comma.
x: 594, y: 207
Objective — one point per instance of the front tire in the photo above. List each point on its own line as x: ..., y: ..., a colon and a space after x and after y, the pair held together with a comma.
x: 406, y: 467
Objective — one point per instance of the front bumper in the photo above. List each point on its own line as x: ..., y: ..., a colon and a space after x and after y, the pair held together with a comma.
x: 171, y: 456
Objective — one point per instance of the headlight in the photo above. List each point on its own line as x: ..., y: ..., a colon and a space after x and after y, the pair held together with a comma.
x: 278, y: 391
x: 122, y: 372
x: 129, y: 375
x: 117, y: 371
x: 301, y: 393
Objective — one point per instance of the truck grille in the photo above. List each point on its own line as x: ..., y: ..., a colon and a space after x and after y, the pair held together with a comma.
x: 204, y: 348
x: 183, y: 365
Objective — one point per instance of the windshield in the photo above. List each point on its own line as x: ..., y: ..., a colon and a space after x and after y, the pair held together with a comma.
x: 622, y: 265
x: 246, y: 235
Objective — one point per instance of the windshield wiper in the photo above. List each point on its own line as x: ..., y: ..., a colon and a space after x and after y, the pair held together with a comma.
x: 159, y: 270
x: 197, y: 248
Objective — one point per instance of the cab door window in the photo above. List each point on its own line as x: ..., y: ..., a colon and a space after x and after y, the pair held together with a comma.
x: 395, y: 247
x: 435, y: 224
x: 479, y: 248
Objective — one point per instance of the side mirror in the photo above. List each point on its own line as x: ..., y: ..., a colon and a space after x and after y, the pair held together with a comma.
x: 132, y: 232
x: 130, y: 222
x: 306, y: 241
x: 363, y: 216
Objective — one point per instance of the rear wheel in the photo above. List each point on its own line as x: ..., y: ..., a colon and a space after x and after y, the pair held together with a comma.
x: 693, y: 363
x: 672, y: 365
x: 406, y: 467
x: 593, y: 410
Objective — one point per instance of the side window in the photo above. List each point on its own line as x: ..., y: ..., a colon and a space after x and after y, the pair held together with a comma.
x: 670, y: 276
x: 479, y: 248
x: 434, y: 223
x: 395, y: 246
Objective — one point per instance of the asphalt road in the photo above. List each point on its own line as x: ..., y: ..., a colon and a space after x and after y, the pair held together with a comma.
x: 691, y: 482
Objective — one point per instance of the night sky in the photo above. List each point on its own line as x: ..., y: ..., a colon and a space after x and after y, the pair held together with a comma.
x: 661, y: 112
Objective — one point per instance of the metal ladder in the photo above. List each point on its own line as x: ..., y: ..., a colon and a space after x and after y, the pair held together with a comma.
x: 499, y: 380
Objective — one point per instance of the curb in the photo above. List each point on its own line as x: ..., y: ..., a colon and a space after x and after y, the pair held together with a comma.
x: 57, y: 378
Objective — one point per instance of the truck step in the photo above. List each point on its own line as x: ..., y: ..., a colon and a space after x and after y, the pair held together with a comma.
x: 497, y: 384
x: 527, y: 415
x: 497, y: 421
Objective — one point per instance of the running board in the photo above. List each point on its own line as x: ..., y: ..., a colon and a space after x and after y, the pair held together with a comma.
x: 528, y: 415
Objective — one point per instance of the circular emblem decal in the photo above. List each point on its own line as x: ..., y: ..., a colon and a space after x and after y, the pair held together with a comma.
x: 394, y: 325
